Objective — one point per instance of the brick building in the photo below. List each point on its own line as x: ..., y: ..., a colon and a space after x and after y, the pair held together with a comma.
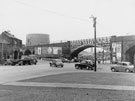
x: 10, y: 46
x: 123, y: 48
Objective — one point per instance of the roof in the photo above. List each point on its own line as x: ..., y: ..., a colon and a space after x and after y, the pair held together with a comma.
x: 124, y: 62
x: 87, y: 60
x: 9, y: 35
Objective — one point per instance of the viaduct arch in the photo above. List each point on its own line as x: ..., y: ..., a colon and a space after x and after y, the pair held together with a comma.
x: 130, y: 54
x: 76, y: 51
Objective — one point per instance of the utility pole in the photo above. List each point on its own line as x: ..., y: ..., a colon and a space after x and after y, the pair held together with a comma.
x: 94, y: 25
x: 103, y: 54
x: 2, y: 49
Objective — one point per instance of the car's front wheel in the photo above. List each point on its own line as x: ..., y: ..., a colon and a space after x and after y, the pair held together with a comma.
x: 127, y: 70
x: 20, y: 63
x: 113, y: 69
x: 76, y: 67
x: 88, y: 68
x: 30, y: 63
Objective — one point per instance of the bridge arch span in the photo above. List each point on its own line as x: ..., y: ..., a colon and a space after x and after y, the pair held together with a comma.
x: 76, y: 51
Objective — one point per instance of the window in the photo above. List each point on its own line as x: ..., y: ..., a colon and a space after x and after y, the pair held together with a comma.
x: 83, y: 62
x: 124, y: 64
x: 119, y: 63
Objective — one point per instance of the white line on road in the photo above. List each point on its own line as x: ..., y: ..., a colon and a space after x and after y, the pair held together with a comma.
x: 71, y: 85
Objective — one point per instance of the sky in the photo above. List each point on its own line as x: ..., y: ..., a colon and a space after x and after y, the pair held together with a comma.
x: 67, y: 19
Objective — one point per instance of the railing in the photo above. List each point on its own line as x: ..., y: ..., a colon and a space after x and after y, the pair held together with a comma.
x: 58, y: 41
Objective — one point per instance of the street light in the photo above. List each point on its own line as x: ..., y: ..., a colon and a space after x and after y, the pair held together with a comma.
x: 94, y: 25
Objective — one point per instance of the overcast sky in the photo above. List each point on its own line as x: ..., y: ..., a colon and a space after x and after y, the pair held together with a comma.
x: 67, y: 19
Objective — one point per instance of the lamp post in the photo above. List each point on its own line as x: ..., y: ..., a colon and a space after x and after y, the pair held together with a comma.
x: 94, y: 25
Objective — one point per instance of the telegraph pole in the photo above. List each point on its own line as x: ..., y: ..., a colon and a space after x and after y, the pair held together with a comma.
x: 94, y: 25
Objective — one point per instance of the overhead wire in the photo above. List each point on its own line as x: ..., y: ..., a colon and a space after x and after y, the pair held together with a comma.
x: 50, y: 11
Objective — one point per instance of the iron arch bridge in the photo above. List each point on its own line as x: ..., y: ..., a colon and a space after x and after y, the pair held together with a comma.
x: 77, y: 46
x: 76, y: 51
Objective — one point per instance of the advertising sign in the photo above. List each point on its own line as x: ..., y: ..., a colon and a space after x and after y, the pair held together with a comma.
x: 55, y: 50
x: 48, y: 50
x: 39, y: 50
x: 117, y: 50
x: 45, y: 50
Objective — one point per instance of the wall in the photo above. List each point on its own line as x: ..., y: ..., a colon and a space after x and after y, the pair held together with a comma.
x: 64, y: 49
x: 127, y: 42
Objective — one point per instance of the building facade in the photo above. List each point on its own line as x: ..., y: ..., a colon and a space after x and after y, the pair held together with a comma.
x: 10, y: 46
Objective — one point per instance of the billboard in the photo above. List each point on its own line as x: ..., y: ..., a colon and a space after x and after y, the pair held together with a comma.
x: 57, y: 50
x: 48, y: 50
x: 116, y: 48
x: 39, y: 50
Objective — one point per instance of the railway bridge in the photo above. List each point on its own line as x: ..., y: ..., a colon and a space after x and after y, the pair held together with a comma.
x: 121, y: 48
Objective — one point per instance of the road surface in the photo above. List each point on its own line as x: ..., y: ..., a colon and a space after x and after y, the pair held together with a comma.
x: 14, y: 73
x: 39, y: 83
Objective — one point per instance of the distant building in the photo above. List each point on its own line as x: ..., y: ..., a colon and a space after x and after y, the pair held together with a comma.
x: 10, y: 46
x: 37, y: 39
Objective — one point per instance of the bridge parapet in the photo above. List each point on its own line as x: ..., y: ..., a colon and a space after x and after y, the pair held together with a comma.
x: 100, y: 41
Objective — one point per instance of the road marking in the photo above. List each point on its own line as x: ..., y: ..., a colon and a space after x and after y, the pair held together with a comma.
x: 71, y: 85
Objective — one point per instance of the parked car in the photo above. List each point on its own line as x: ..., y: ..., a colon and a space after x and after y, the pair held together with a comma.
x: 114, y: 62
x: 56, y: 63
x: 34, y: 58
x: 65, y: 60
x: 85, y: 64
x: 8, y: 62
x: 29, y: 60
x: 122, y: 67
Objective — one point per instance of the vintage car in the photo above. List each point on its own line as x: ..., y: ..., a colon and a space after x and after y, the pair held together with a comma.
x: 56, y: 63
x: 8, y: 62
x: 85, y: 64
x: 64, y: 60
x: 25, y: 60
x: 122, y: 67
